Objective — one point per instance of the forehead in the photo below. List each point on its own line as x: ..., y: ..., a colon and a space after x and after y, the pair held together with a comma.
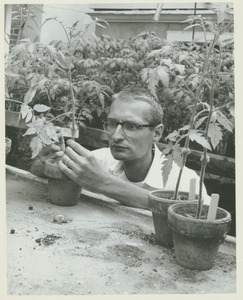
x: 129, y: 110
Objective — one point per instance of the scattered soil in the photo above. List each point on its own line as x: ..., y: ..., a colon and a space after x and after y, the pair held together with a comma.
x: 97, y: 247
x: 49, y: 239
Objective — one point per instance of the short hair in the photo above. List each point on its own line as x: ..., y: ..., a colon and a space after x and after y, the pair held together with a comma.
x: 134, y: 93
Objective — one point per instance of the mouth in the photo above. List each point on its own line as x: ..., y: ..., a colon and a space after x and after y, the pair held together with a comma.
x: 118, y: 148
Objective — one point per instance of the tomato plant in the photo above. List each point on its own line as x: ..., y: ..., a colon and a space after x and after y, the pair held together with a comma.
x: 203, y: 77
x: 102, y: 66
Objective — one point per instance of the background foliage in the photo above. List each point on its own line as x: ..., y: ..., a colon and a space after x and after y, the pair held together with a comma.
x: 102, y: 66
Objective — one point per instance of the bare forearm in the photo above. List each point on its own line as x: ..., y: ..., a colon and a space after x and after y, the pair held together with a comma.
x: 124, y: 192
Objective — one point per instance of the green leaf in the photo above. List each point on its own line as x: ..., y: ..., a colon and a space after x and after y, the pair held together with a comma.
x: 222, y: 119
x: 180, y: 68
x: 172, y: 136
x: 150, y: 76
x: 35, y: 145
x: 45, y: 138
x: 195, y: 135
x: 102, y: 100
x: 52, y: 49
x: 11, y: 74
x: 168, y: 149
x: 232, y: 110
x: 75, y: 24
x: 26, y: 113
x: 166, y: 167
x: 51, y: 131
x: 194, y: 82
x: 41, y: 108
x: 60, y: 59
x: 192, y: 26
x: 177, y: 156
x: 36, y: 123
x: 163, y: 75
x: 182, y: 57
x: 155, y: 53
x: 99, y: 111
x: 200, y: 121
x: 30, y: 94
x: 183, y: 128
x: 179, y: 95
x: 215, y: 134
x: 30, y: 131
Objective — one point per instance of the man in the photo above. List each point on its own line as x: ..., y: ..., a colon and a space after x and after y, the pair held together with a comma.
x: 131, y: 166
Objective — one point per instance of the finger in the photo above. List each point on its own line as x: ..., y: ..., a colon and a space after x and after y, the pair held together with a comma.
x: 66, y: 159
x: 74, y: 156
x: 78, y: 148
x: 70, y: 164
x: 65, y: 169
x: 68, y: 172
x: 59, y: 154
x: 55, y: 147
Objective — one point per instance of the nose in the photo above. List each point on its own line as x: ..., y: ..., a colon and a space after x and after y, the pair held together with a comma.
x: 118, y: 133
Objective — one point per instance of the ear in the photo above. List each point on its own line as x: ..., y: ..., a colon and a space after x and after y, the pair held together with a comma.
x: 158, y: 131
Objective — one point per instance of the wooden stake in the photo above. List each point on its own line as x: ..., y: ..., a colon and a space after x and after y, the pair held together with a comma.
x: 67, y: 132
x: 212, y: 211
x: 192, y: 191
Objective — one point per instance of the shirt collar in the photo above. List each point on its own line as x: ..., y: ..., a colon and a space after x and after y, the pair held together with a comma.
x: 153, y: 177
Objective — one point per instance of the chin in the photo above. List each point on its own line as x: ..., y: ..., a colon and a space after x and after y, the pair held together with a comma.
x: 119, y: 156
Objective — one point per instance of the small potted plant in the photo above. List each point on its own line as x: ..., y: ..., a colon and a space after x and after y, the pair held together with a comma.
x: 213, y: 73
x: 199, y: 229
x: 50, y: 73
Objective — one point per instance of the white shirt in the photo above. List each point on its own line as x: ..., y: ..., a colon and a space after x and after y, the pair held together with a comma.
x: 153, y: 179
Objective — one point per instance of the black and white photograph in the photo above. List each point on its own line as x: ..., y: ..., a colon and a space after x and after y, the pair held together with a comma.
x: 120, y: 149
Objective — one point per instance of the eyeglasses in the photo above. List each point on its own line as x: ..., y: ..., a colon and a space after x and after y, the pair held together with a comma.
x: 129, y: 128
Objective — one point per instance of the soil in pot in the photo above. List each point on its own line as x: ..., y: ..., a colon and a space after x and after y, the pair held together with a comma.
x: 62, y: 190
x: 158, y: 203
x: 196, y: 241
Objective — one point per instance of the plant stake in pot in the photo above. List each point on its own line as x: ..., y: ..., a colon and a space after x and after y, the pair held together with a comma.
x: 196, y: 241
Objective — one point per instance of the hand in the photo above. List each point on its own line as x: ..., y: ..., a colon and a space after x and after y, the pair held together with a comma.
x: 82, y: 167
x: 52, y: 151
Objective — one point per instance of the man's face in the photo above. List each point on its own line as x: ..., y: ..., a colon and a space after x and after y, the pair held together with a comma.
x: 138, y: 146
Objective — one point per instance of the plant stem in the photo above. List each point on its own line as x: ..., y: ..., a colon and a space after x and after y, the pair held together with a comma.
x: 73, y: 101
x: 205, y: 158
x: 67, y: 113
x: 196, y: 99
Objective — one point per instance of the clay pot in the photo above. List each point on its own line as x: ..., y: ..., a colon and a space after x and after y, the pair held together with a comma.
x: 62, y: 190
x: 196, y: 241
x: 8, y: 145
x: 158, y: 203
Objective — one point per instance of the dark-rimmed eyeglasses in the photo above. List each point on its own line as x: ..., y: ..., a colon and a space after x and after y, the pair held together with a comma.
x: 129, y: 128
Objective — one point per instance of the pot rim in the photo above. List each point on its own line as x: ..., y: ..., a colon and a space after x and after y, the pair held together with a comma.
x: 171, y: 210
x: 153, y: 197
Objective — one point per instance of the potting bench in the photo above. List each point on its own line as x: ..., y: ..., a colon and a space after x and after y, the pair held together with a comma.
x: 96, y: 247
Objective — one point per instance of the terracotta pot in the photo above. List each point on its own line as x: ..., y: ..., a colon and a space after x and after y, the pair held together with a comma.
x: 8, y: 145
x: 196, y: 241
x: 158, y: 203
x: 62, y: 190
